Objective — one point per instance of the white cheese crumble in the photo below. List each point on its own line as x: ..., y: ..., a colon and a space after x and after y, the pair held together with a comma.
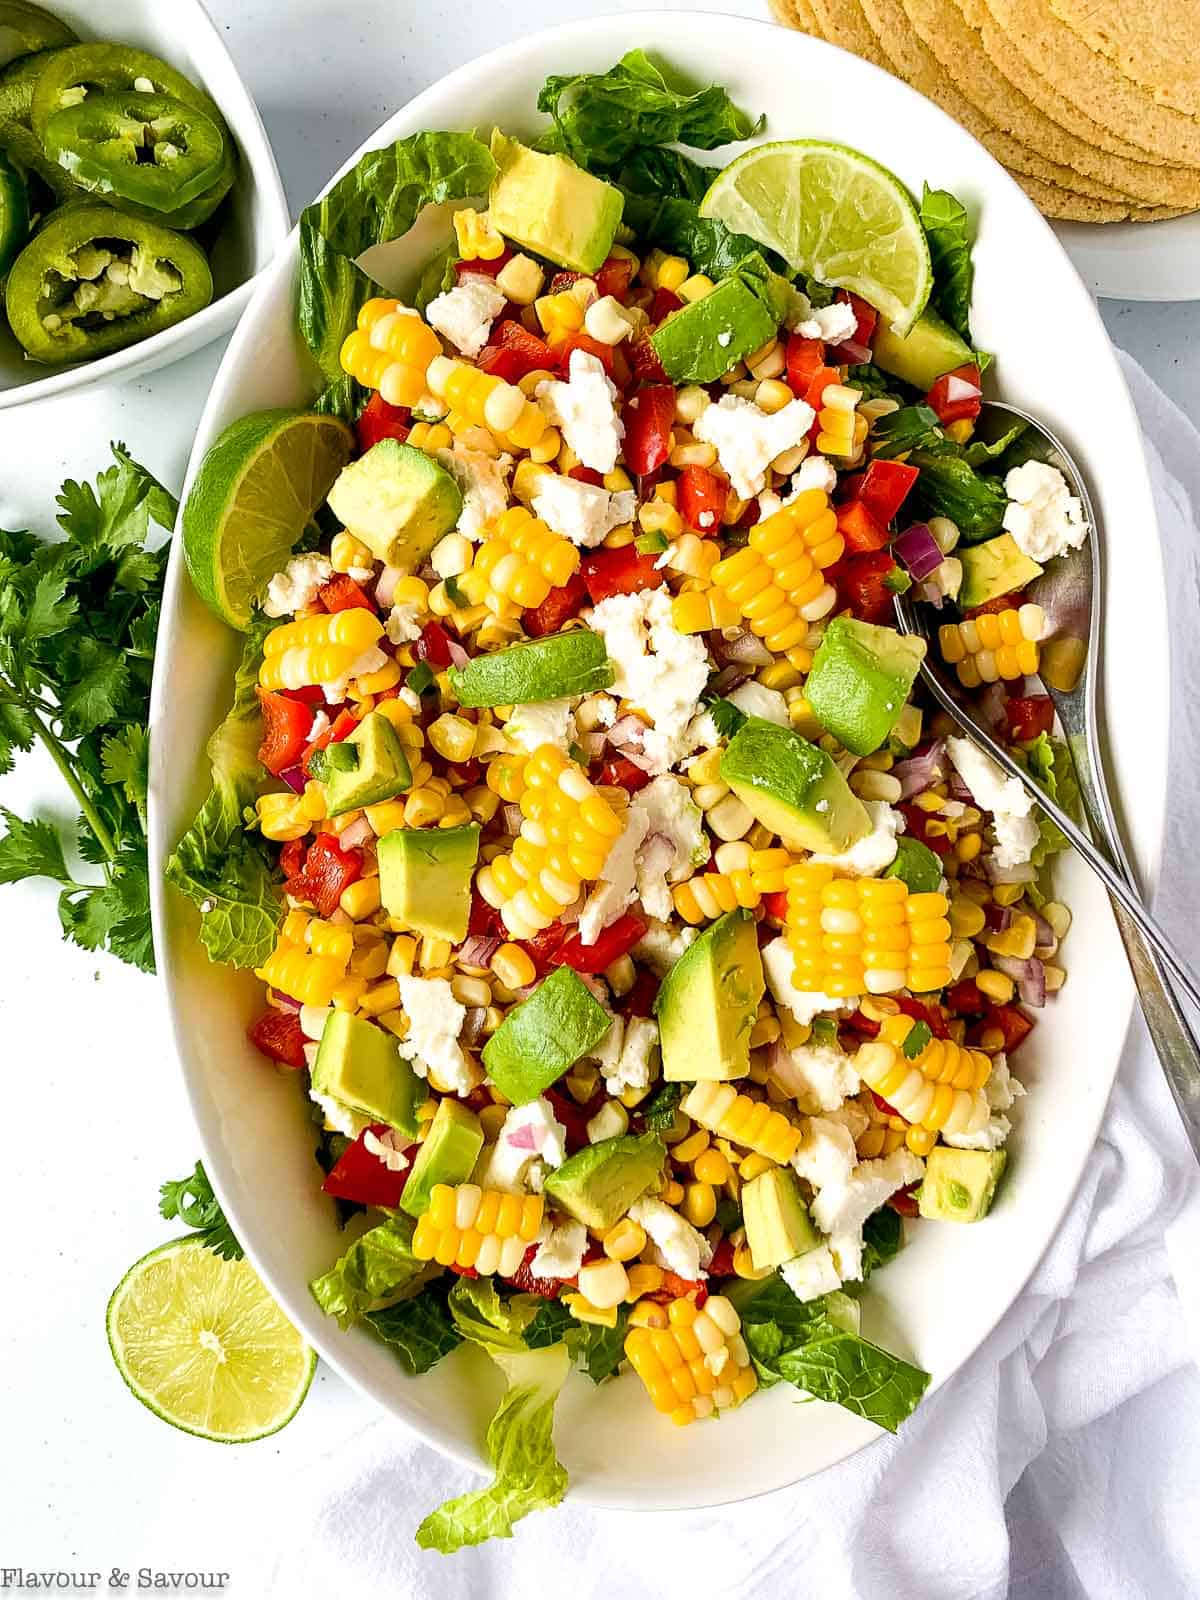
x: 386, y: 1147
x: 617, y: 885
x: 758, y: 701
x: 638, y: 1045
x: 539, y: 722
x: 340, y: 1117
x: 371, y: 660
x: 296, y: 586
x: 483, y: 480
x: 658, y: 669
x: 748, y: 439
x: 1043, y: 516
x: 561, y: 1246
x: 585, y: 409
x: 1001, y: 1090
x: 814, y: 472
x: 435, y: 1019
x: 840, y: 1209
x: 671, y: 814
x: 661, y: 946
x: 403, y: 623
x: 811, y: 1275
x: 1006, y: 798
x: 465, y: 313
x: 531, y: 1139
x: 680, y: 1248
x: 870, y: 856
x: 833, y: 323
x: 779, y: 965
x: 818, y: 1076
x: 582, y: 512
x: 825, y: 1156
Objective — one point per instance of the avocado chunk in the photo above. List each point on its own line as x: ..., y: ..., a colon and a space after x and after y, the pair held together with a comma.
x: 364, y: 769
x: 545, y: 203
x: 544, y: 1035
x: 425, y: 878
x: 708, y: 1002
x: 777, y: 1221
x: 921, y: 356
x: 563, y: 664
x: 861, y: 677
x: 599, y: 1183
x: 360, y: 1066
x: 448, y: 1154
x: 917, y: 865
x: 995, y: 567
x: 397, y: 500
x: 701, y: 341
x: 960, y: 1185
x: 793, y: 788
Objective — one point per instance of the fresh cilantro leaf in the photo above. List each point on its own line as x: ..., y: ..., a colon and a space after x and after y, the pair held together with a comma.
x: 103, y: 521
x: 113, y: 916
x: 901, y: 431
x: 659, y: 1112
x: 915, y: 1040
x: 50, y: 611
x: 101, y: 675
x: 126, y: 758
x: 16, y: 733
x: 30, y: 850
x: 727, y: 718
x: 454, y: 593
x: 420, y: 1330
x: 420, y: 678
x: 192, y: 1200
x: 825, y: 1032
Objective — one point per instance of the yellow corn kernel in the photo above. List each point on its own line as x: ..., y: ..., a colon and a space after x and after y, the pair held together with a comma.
x: 672, y: 273
x: 625, y: 1240
x: 360, y: 898
x: 282, y: 816
x: 513, y: 966
x: 645, y: 1278
x: 477, y: 236
x: 720, y: 1108
x: 520, y: 280
x: 348, y: 554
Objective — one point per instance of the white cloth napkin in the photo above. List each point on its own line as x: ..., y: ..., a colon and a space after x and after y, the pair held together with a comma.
x: 1062, y: 1461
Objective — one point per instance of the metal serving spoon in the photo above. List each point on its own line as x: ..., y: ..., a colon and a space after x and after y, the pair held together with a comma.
x: 1073, y: 587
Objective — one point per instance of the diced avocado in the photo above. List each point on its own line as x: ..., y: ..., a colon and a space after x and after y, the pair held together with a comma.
x: 700, y: 342
x: 563, y: 664
x: 995, y: 567
x: 364, y: 769
x: 917, y: 865
x: 777, y: 1222
x: 861, y: 677
x: 425, y: 878
x: 360, y: 1066
x: 544, y: 1035
x: 448, y: 1154
x: 793, y: 788
x: 921, y: 356
x: 545, y: 203
x: 708, y: 1002
x: 599, y: 1183
x: 906, y: 735
x: 397, y: 500
x: 960, y: 1185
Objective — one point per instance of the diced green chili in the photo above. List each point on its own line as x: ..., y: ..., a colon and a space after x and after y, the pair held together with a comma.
x: 150, y: 148
x: 94, y: 280
x: 14, y: 213
x: 25, y: 28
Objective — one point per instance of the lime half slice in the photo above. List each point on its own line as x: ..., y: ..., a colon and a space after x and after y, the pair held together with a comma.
x: 201, y: 1342
x: 255, y: 493
x: 834, y: 213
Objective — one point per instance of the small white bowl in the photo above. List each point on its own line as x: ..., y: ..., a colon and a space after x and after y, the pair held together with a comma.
x: 254, y: 217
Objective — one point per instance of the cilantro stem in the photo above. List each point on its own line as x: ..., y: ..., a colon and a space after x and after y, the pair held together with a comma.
x: 62, y: 760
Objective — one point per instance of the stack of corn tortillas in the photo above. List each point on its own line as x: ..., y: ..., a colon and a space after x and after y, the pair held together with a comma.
x: 1092, y: 105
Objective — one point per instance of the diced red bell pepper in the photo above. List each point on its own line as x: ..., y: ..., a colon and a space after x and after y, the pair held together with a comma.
x: 859, y: 528
x: 484, y: 920
x: 1012, y: 1023
x: 904, y: 1201
x: 648, y: 417
x: 513, y: 352
x: 1028, y: 715
x: 615, y: 276
x: 563, y: 280
x: 559, y: 606
x: 775, y: 904
x: 544, y: 946
x: 866, y: 1027
x: 361, y: 1177
x: 665, y: 301
x: 622, y: 773
x: 883, y: 488
x: 341, y: 593
x: 311, y: 694
x: 327, y: 873
x: 702, y: 495
x: 818, y: 383
x: 379, y: 420
x: 965, y: 998
x: 433, y: 646
x: 643, y: 359
x: 721, y: 1265
x: 932, y: 1016
x: 523, y: 1279
x: 615, y: 941
x: 674, y: 1288
x: 286, y: 723
x: 1002, y: 602
x: 279, y: 1036
x: 866, y: 317
x: 862, y: 587
x: 587, y: 475
x: 918, y: 828
x: 805, y: 358
x: 883, y: 1105
x: 574, y: 1119
x: 622, y: 571
x: 485, y: 269
x: 342, y: 726
x: 561, y: 353
x: 291, y: 857
x: 964, y: 407
x: 639, y: 1002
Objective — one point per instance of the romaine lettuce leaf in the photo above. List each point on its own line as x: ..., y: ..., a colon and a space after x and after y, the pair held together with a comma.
x: 676, y: 226
x: 595, y: 1350
x: 669, y: 174
x: 228, y: 872
x: 602, y: 118
x: 883, y: 1239
x: 376, y: 1267
x: 907, y: 429
x: 1050, y: 762
x: 948, y: 486
x: 948, y: 230
x: 377, y: 201
x: 419, y: 1330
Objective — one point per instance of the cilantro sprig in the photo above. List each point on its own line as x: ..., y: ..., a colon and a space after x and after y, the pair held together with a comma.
x: 78, y: 618
x: 192, y: 1200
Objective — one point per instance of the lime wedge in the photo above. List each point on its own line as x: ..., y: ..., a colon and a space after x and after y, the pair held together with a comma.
x: 201, y: 1342
x: 831, y: 212
x: 255, y: 493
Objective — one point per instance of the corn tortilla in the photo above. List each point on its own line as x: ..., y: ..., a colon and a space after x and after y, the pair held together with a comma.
x: 796, y: 14
x: 1068, y: 207
x: 842, y: 22
x: 1141, y: 46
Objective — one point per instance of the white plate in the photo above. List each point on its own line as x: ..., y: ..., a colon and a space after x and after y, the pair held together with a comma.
x: 1136, y: 260
x: 950, y: 1286
x: 254, y: 217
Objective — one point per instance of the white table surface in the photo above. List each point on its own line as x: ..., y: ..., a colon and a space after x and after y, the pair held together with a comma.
x: 95, y: 1108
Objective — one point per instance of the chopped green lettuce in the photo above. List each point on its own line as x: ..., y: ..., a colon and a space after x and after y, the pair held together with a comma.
x: 669, y: 174
x: 948, y: 486
x: 228, y: 872
x: 1050, y: 762
x: 375, y: 1269
x: 948, y: 230
x: 675, y: 225
x: 905, y: 430
x: 883, y: 1239
x: 419, y: 1330
x: 595, y: 1350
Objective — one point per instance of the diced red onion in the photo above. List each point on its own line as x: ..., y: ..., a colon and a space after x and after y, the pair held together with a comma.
x: 513, y: 818
x: 748, y: 650
x: 284, y: 1002
x: 921, y: 770
x: 477, y: 950
x: 918, y: 550
x: 1029, y: 977
x: 850, y: 353
x: 729, y: 677
x: 961, y: 389
x: 999, y: 918
x: 627, y: 730
x: 990, y: 706
x: 295, y: 778
x: 385, y: 589
x: 356, y: 835
x: 1026, y: 872
x: 474, y: 1021
x: 526, y: 1137
x: 458, y: 656
x: 1044, y: 934
x: 569, y: 915
x: 958, y: 789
